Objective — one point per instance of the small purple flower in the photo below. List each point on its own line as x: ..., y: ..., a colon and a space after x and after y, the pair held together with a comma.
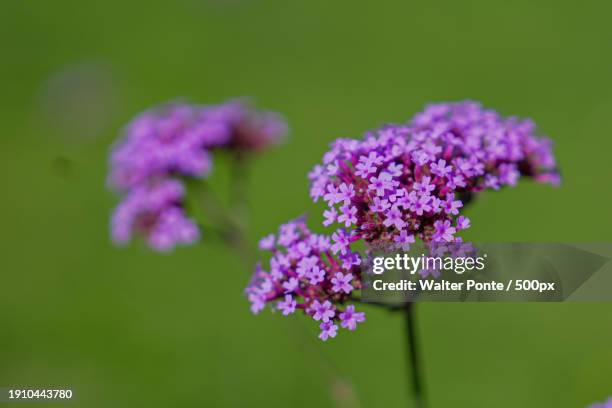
x: 440, y: 168
x: 420, y: 157
x: 347, y: 192
x: 395, y: 169
x: 347, y: 215
x: 267, y: 243
x: 330, y: 216
x: 287, y: 306
x: 333, y: 196
x: 379, y: 205
x: 394, y: 217
x: 350, y: 318
x: 364, y: 168
x: 382, y: 183
x: 328, y: 329
x: 306, y: 264
x: 403, y: 240
x: 451, y: 206
x: 463, y: 223
x: 492, y: 182
x: 443, y: 231
x: 508, y: 174
x: 291, y: 285
x: 342, y: 282
x: 420, y: 204
x: 322, y: 311
x: 257, y: 303
x: 287, y: 233
x: 341, y: 242
x: 424, y: 187
x: 316, y: 275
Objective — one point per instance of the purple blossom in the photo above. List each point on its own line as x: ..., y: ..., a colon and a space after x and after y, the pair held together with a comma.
x: 364, y: 168
x: 342, y: 282
x: 447, y: 151
x: 177, y: 138
x: 492, y: 182
x: 397, y: 184
x: 347, y: 192
x: 440, y: 168
x: 333, y: 195
x: 287, y: 234
x: 290, y: 285
x: 394, y: 217
x: 419, y: 204
x: 328, y: 329
x: 341, y: 242
x: 443, y: 231
x: 450, y: 205
x: 267, y: 242
x: 304, y: 275
x: 463, y: 223
x: 395, y: 169
x: 350, y: 318
x: 287, y: 306
x: 257, y: 303
x: 508, y: 174
x: 348, y: 215
x: 457, y: 181
x: 316, y: 275
x: 156, y: 212
x: 307, y: 263
x: 379, y: 205
x: 382, y: 183
x: 330, y: 216
x: 403, y: 240
x: 322, y: 311
x: 162, y: 146
x: 424, y: 187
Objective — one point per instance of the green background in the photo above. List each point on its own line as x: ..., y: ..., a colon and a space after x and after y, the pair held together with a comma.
x: 129, y: 327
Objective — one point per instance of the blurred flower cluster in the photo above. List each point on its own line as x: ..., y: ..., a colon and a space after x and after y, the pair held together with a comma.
x: 606, y: 404
x: 398, y: 183
x: 165, y: 145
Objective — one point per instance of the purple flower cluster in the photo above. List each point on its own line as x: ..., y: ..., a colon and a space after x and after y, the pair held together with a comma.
x: 403, y: 182
x: 397, y: 184
x: 165, y: 144
x: 156, y: 211
x: 303, y: 274
x: 606, y: 404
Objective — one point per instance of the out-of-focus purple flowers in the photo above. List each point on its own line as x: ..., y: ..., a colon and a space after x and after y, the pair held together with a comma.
x: 606, y: 404
x: 397, y: 184
x: 303, y: 274
x: 167, y: 144
x: 405, y: 181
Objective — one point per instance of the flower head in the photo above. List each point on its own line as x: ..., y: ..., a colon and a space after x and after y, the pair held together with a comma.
x: 412, y: 180
x: 156, y: 212
x: 303, y: 274
x: 165, y: 145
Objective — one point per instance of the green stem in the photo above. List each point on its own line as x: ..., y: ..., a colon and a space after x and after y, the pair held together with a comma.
x: 414, y: 357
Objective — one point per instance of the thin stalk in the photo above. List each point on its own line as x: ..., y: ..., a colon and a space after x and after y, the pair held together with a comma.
x: 414, y: 357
